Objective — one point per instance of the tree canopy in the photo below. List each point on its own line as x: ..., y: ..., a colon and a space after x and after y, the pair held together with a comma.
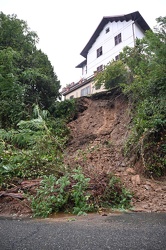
x: 26, y: 74
x: 147, y: 64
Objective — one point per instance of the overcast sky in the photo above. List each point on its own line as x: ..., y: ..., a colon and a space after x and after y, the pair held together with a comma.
x: 65, y: 26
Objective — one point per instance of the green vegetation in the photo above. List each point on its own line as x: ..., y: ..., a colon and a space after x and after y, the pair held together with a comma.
x: 79, y: 194
x: 49, y: 199
x: 33, y: 150
x: 116, y: 195
x: 113, y: 75
x: 142, y: 77
x: 65, y: 110
x: 71, y: 193
x: 26, y: 74
x: 66, y: 193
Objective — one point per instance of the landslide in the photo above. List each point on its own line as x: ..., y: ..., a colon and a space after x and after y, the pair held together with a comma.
x: 97, y: 143
x: 98, y: 136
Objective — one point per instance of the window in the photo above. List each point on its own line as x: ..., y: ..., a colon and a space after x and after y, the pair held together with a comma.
x: 100, y: 68
x: 118, y: 39
x: 99, y: 52
x: 117, y: 57
x: 85, y: 91
x: 72, y: 96
x: 107, y: 30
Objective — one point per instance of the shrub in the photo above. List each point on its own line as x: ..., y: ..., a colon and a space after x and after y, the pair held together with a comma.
x: 66, y: 192
x: 72, y: 193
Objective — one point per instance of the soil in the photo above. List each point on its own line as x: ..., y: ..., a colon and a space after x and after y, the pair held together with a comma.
x: 98, y: 136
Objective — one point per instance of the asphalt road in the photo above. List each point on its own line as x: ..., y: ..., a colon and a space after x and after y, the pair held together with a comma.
x: 130, y: 231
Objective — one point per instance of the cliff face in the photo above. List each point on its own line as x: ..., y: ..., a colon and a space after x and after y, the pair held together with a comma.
x: 99, y: 133
x: 98, y: 136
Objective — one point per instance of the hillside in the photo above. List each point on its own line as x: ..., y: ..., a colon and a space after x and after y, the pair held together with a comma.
x: 97, y: 143
x: 97, y: 139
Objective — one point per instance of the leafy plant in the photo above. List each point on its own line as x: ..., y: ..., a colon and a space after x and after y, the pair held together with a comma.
x: 79, y: 194
x: 116, y: 195
x: 34, y: 149
x: 70, y: 193
x: 59, y: 194
x: 51, y: 196
x: 65, y: 110
x: 154, y: 154
x: 113, y: 75
x: 147, y: 95
x: 42, y: 203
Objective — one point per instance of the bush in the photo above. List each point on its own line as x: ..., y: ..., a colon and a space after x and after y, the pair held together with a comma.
x: 65, y: 193
x: 34, y: 149
x: 113, y: 75
x: 72, y: 193
x: 65, y: 109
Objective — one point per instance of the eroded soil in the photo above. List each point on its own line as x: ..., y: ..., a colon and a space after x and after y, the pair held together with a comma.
x: 98, y: 137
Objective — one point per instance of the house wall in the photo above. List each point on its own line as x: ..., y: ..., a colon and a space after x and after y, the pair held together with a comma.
x: 109, y: 49
x: 77, y: 93
x: 139, y: 33
x: 84, y: 71
x: 129, y: 32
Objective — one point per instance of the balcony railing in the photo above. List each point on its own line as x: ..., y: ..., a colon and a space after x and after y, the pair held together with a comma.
x: 72, y: 86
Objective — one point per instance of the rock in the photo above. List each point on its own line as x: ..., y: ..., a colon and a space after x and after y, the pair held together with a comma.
x: 123, y: 164
x: 120, y: 169
x: 148, y: 183
x: 130, y: 171
x: 146, y: 206
x: 142, y: 197
x: 147, y: 187
x: 155, y: 200
x: 136, y: 180
x: 118, y: 163
x: 117, y: 174
x: 104, y: 214
x: 158, y: 189
x: 152, y: 186
x: 138, y: 209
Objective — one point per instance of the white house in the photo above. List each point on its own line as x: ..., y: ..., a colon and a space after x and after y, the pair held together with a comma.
x: 110, y: 37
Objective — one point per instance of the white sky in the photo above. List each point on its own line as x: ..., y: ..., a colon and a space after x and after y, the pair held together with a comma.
x: 65, y: 26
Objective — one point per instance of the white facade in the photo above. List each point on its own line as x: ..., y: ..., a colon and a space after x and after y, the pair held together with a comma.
x: 128, y: 30
x: 84, y: 71
x: 111, y: 36
x: 84, y: 90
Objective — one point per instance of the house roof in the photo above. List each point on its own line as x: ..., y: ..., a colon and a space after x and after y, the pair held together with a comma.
x: 135, y: 16
x: 80, y: 65
x: 77, y: 85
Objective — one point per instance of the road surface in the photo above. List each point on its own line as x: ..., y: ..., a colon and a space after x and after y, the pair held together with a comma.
x: 126, y: 231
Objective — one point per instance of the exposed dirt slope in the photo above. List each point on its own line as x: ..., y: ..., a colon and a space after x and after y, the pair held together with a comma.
x: 98, y: 134
x: 97, y: 143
